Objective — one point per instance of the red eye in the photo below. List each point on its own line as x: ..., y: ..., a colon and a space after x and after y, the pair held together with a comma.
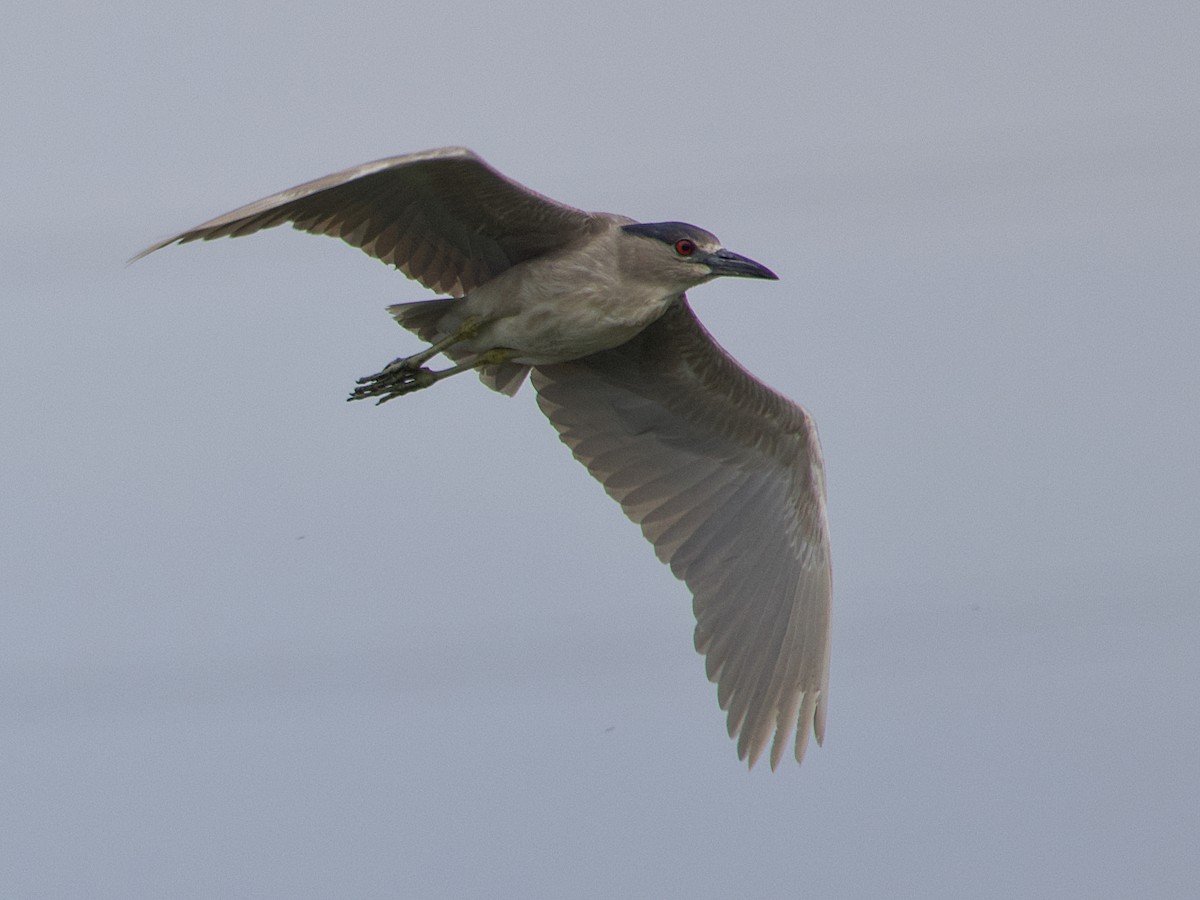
x: 685, y: 247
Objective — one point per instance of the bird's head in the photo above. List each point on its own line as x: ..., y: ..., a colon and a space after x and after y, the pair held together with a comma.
x: 685, y: 255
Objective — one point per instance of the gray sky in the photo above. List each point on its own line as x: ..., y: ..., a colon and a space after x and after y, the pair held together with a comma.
x: 256, y: 641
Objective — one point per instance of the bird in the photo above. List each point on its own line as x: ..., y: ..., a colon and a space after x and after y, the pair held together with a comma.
x: 724, y: 475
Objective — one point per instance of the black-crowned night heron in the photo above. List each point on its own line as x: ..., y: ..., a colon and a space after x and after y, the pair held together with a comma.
x: 723, y: 474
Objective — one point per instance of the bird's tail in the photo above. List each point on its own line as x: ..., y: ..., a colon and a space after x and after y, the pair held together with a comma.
x: 424, y: 318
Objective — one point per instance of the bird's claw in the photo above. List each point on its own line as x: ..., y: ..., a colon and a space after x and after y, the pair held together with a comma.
x: 394, y: 381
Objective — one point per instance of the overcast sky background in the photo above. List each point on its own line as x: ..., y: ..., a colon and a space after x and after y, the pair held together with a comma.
x: 259, y: 642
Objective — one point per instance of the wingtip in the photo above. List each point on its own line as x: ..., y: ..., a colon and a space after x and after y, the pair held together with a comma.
x: 819, y: 718
x: 137, y: 256
x: 150, y: 250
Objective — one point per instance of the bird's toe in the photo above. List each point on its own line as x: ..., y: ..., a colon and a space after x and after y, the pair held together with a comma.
x: 393, y: 381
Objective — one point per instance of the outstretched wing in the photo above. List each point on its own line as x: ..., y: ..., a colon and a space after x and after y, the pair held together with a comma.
x: 726, y: 480
x: 443, y: 217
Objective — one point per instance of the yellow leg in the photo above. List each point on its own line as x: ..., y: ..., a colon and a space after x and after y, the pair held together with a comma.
x: 402, y: 377
x: 467, y: 330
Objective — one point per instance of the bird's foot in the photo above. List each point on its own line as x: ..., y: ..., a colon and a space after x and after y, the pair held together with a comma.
x: 396, y: 379
x: 408, y: 374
